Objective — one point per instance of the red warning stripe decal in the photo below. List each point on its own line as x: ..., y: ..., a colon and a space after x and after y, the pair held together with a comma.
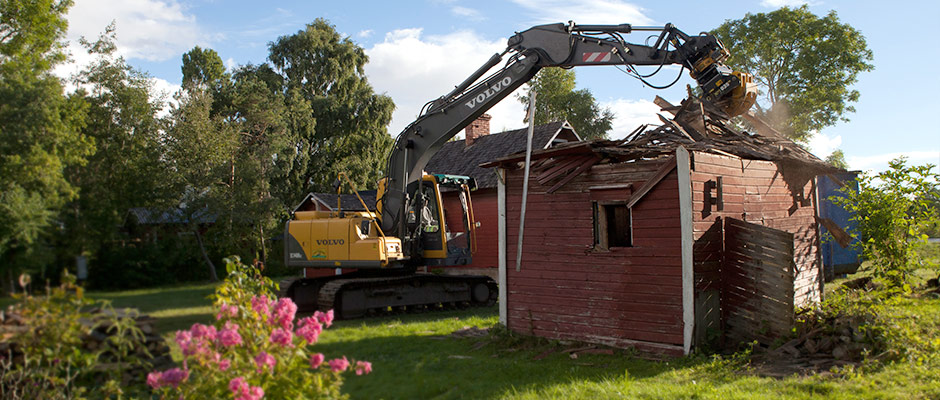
x: 603, y: 56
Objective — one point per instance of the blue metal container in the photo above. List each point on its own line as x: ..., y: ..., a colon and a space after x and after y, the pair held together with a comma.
x: 837, y: 260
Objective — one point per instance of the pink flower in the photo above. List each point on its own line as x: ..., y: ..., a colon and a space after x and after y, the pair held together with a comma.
x: 363, y: 367
x: 236, y: 383
x: 260, y: 305
x: 173, y: 377
x: 170, y: 377
x: 243, y: 391
x: 263, y: 360
x: 339, y: 364
x: 316, y: 360
x: 224, y: 365
x: 255, y: 393
x: 227, y: 311
x: 282, y: 337
x: 229, y: 335
x: 283, y: 313
x: 309, y: 330
x: 199, y: 331
x: 153, y: 379
x: 324, y: 318
x: 183, y: 338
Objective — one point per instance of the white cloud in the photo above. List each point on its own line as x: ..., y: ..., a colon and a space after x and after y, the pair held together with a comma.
x: 153, y: 30
x: 783, y: 3
x: 630, y: 114
x: 230, y: 64
x: 413, y: 69
x: 879, y: 162
x: 823, y: 145
x: 364, y: 34
x: 586, y: 11
x: 467, y: 13
x: 164, y: 91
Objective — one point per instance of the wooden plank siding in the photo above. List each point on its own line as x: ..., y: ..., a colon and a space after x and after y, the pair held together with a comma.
x: 565, y: 289
x: 754, y: 191
x: 757, y: 282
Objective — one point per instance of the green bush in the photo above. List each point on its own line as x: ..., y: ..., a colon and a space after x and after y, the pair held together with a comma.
x: 168, y: 261
x: 254, y: 349
x: 893, y: 211
x: 47, y: 359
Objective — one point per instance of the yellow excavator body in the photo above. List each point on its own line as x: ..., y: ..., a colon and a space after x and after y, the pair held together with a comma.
x: 349, y: 239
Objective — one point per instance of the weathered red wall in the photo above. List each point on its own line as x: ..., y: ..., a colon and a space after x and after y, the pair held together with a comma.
x: 757, y: 192
x: 625, y: 297
x: 485, y: 211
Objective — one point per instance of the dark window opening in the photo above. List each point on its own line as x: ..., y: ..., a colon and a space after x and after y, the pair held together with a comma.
x: 612, y: 225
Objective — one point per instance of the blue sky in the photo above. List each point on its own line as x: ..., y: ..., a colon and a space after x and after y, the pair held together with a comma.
x: 420, y: 49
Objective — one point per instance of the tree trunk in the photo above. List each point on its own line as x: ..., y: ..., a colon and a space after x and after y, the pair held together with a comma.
x: 202, y: 249
x: 264, y: 250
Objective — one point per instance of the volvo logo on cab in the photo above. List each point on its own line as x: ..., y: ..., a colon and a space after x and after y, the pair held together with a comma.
x: 330, y: 242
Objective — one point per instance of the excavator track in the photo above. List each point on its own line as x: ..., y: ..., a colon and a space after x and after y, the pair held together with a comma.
x: 356, y: 297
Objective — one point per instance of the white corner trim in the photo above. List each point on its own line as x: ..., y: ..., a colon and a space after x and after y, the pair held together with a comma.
x: 683, y: 169
x: 501, y: 232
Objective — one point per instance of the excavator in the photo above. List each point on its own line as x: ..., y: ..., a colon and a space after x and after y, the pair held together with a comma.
x: 407, y: 228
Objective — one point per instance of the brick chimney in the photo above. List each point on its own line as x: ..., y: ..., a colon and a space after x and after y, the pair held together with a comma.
x: 479, y: 127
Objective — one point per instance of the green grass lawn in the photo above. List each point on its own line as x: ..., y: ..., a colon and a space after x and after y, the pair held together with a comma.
x: 175, y: 307
x: 415, y: 357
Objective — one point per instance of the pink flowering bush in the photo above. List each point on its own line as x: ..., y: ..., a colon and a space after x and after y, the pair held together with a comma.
x: 257, y: 348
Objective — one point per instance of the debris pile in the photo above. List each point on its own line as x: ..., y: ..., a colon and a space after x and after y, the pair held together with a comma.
x: 99, y: 332
x: 698, y: 126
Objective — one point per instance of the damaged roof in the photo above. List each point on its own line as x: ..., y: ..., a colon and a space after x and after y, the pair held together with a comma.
x: 456, y: 158
x: 697, y: 126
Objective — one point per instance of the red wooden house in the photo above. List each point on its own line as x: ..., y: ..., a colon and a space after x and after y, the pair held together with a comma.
x: 659, y: 240
x: 463, y: 157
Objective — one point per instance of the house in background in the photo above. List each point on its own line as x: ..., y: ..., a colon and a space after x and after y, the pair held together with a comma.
x: 464, y: 157
x: 660, y: 240
x: 143, y: 224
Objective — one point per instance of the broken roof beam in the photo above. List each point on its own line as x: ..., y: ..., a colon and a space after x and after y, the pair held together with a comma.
x: 665, y: 105
x: 672, y: 124
x: 665, y: 169
x: 561, y: 167
x: 584, y: 167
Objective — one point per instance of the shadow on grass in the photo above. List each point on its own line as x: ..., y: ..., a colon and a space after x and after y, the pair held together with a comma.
x: 160, y: 299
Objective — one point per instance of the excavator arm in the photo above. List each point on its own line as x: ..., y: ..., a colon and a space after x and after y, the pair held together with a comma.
x: 553, y: 45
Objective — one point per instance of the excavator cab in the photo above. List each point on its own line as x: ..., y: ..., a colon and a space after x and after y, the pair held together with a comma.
x: 439, y: 220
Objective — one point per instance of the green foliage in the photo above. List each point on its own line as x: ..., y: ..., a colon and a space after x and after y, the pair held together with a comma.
x: 253, y: 350
x: 804, y: 64
x: 888, y: 322
x: 126, y: 169
x: 892, y: 212
x: 39, y: 125
x: 557, y: 100
x: 30, y: 32
x: 328, y: 72
x: 166, y: 261
x: 837, y: 159
x: 54, y: 364
x: 202, y: 66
